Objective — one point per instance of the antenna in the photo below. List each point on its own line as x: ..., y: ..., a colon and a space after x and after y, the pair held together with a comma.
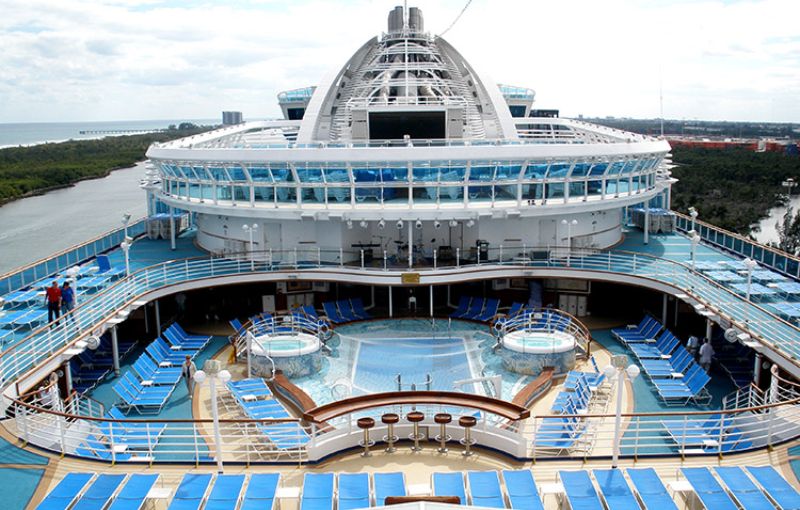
x: 405, y: 16
x: 661, y: 98
x: 457, y: 18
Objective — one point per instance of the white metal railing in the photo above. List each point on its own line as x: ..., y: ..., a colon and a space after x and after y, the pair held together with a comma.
x: 544, y: 320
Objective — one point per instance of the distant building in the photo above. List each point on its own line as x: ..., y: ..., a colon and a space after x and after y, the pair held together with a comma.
x: 231, y: 118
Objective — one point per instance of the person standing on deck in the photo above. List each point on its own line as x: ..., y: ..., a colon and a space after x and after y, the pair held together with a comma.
x: 706, y: 354
x: 67, y: 301
x: 188, y: 369
x: 692, y: 345
x: 52, y: 299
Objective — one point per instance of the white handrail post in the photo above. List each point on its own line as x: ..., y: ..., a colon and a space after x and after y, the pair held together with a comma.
x: 458, y: 257
x: 341, y: 257
x: 296, y: 262
x: 362, y: 258
x: 501, y: 253
x: 434, y: 257
x: 385, y: 261
x: 319, y: 256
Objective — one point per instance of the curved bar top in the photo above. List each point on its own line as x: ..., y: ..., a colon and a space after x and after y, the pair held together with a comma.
x: 332, y: 410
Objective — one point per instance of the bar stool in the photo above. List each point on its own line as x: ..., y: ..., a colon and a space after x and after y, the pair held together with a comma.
x: 467, y: 422
x: 390, y: 419
x: 415, y: 417
x: 443, y: 419
x: 365, y: 424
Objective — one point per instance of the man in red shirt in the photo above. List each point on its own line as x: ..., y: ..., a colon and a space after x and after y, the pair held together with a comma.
x: 53, y: 300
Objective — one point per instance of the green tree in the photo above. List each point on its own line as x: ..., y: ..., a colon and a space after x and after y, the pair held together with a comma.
x: 789, y: 232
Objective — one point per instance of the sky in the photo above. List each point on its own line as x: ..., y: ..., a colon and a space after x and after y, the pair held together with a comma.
x: 76, y: 60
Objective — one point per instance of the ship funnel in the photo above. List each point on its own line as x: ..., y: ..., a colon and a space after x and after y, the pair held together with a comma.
x: 396, y: 20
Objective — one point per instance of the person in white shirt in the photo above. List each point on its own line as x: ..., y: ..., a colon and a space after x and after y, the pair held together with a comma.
x: 706, y: 354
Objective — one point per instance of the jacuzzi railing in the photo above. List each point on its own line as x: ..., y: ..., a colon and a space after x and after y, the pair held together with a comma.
x: 282, y: 325
x: 123, y: 295
x: 582, y: 436
x: 544, y: 320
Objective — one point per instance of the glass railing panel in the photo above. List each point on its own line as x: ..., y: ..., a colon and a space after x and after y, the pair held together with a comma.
x: 558, y: 170
x: 281, y: 174
x: 338, y: 195
x: 453, y: 174
x: 264, y: 193
x: 536, y: 170
x: 554, y: 190
x: 422, y: 194
x: 309, y: 175
x: 451, y: 193
x: 598, y: 169
x: 580, y: 170
x: 481, y: 173
x: 241, y: 193
x: 577, y: 189
x: 505, y: 192
x: 507, y: 172
x: 260, y: 174
x: 394, y: 174
x: 424, y: 173
x: 532, y: 191
x: 286, y: 194
x: 336, y: 175
x: 594, y: 187
x: 480, y: 193
x: 314, y: 194
x: 217, y: 173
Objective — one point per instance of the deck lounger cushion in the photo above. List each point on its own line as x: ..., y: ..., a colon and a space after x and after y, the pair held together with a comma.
x: 225, y: 493
x: 521, y: 490
x: 99, y: 493
x: 776, y: 487
x: 744, y: 490
x: 579, y: 490
x: 484, y: 489
x: 317, y: 492
x: 190, y: 493
x: 708, y: 489
x: 66, y: 492
x: 388, y: 484
x: 449, y: 484
x: 353, y: 491
x: 615, y: 489
x: 133, y: 494
x: 260, y: 493
x: 651, y: 491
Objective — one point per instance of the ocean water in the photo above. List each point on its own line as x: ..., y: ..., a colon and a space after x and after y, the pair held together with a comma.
x: 31, y: 133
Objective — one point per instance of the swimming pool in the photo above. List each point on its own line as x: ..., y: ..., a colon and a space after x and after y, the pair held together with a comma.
x: 366, y: 357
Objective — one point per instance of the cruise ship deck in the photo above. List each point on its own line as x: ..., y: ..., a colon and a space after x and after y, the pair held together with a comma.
x: 407, y: 291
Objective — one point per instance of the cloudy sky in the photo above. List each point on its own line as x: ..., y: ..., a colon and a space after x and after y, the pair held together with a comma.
x: 75, y: 60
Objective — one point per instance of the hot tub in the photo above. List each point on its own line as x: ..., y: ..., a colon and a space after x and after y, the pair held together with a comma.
x: 297, y: 354
x: 529, y: 351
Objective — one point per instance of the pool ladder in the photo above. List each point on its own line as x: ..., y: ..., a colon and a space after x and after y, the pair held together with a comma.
x: 427, y: 383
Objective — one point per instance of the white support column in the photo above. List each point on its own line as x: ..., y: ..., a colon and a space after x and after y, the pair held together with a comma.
x: 431, y: 301
x: 391, y: 310
x: 646, y: 224
x: 757, y: 369
x: 410, y: 244
x: 114, y: 349
x: 172, y: 228
x: 68, y: 377
x: 675, y: 317
x: 664, y: 305
x: 709, y: 326
x: 158, y: 318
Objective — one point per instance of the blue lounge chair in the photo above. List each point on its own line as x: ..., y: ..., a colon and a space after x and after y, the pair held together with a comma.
x: 615, y: 490
x: 489, y: 311
x: 521, y: 489
x: 139, y: 397
x: 651, y: 490
x: 388, y: 484
x: 516, y: 307
x: 105, y: 268
x: 345, y: 310
x: 708, y: 489
x: 174, y: 351
x: 134, y: 493
x: 484, y: 489
x: 475, y: 309
x: 333, y: 313
x: 225, y: 493
x: 776, y: 487
x: 191, y: 492
x: 353, y: 491
x: 94, y: 448
x: 743, y: 490
x: 647, y: 329
x: 663, y: 346
x: 462, y: 308
x: 579, y: 490
x: 150, y: 372
x: 358, y: 308
x: 310, y: 312
x: 188, y: 336
x: 175, y: 339
x: 99, y: 493
x: 237, y: 326
x: 66, y: 492
x: 450, y: 484
x: 260, y: 493
x: 317, y: 491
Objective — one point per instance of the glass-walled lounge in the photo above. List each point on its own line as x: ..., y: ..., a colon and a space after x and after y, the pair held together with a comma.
x: 419, y: 182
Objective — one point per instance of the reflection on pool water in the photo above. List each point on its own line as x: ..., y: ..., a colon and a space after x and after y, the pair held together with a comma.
x: 367, y: 357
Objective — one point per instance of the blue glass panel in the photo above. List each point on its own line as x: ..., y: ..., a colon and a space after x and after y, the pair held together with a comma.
x: 558, y: 170
x: 451, y: 194
x: 314, y: 195
x: 236, y: 173
x: 336, y: 175
x: 615, y: 168
x: 241, y: 193
x: 286, y: 194
x: 758, y: 253
x: 580, y: 169
x: 200, y: 173
x: 480, y: 193
x: 390, y: 194
x: 595, y: 187
x: 194, y: 190
x: 453, y: 174
x: 425, y: 174
x: 366, y: 175
x: 506, y: 172
x: 508, y: 192
x: 792, y: 266
x: 629, y: 166
x: 555, y: 190
x: 576, y: 189
x: 481, y: 173
x: 395, y: 174
x: 168, y: 170
x: 532, y: 191
x: 536, y: 170
x: 309, y: 174
x: 338, y: 195
x: 598, y: 169
x: 217, y: 173
x: 264, y: 194
x: 281, y: 174
x: 260, y: 174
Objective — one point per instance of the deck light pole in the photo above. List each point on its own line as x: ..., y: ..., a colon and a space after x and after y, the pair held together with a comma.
x: 617, y: 367
x: 126, y: 246
x: 212, y: 371
x: 695, y: 239
x: 693, y: 214
x: 751, y: 265
x: 789, y: 184
x: 569, y: 225
x: 250, y: 229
